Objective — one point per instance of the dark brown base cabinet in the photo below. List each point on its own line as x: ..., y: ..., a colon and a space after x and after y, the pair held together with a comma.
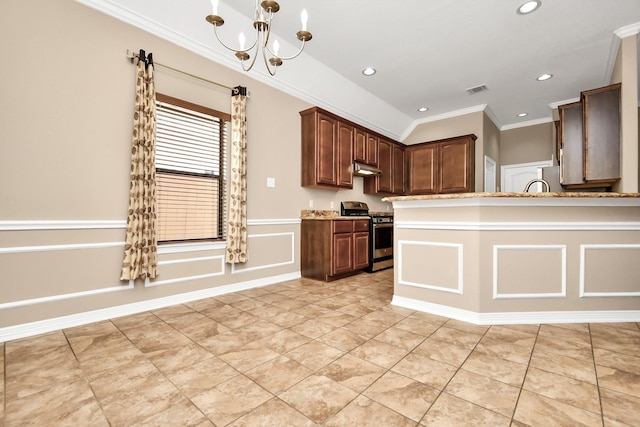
x: 333, y: 248
x: 442, y: 167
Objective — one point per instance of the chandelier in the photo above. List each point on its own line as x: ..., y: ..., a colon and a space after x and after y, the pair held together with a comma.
x: 263, y: 14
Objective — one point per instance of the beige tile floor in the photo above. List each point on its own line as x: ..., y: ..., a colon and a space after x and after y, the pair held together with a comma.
x: 305, y: 353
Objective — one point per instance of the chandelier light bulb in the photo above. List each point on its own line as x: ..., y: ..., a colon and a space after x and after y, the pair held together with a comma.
x: 214, y: 7
x: 242, y: 40
x: 304, y: 18
x: 276, y: 47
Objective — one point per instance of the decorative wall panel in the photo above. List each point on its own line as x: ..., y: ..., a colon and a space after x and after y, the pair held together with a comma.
x: 441, y: 265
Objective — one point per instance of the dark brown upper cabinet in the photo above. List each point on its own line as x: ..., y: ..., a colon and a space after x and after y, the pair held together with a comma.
x: 441, y: 167
x: 330, y: 145
x: 590, y: 139
x: 327, y: 150
x: 391, y: 161
x: 365, y: 147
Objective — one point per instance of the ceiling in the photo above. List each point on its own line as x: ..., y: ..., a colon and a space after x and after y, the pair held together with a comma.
x: 427, y: 53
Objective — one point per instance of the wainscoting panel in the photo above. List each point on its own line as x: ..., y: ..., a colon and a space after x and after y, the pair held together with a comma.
x: 54, y: 272
x: 601, y: 266
x: 268, y: 251
x: 440, y: 265
x: 187, y: 269
x: 529, y: 271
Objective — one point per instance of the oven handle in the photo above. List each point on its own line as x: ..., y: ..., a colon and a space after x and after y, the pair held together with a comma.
x: 383, y: 225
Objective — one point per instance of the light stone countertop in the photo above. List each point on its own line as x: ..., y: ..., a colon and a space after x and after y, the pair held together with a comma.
x: 319, y: 214
x: 572, y: 194
x: 325, y: 214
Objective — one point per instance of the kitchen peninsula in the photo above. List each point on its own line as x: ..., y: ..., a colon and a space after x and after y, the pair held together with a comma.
x: 506, y: 258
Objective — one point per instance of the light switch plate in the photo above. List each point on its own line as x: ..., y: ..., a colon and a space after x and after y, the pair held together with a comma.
x: 271, y: 182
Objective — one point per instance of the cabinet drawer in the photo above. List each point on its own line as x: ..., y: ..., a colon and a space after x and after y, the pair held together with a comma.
x: 342, y: 226
x: 361, y: 225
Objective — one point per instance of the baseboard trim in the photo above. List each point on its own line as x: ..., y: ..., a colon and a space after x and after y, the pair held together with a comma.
x: 43, y: 326
x: 519, y: 318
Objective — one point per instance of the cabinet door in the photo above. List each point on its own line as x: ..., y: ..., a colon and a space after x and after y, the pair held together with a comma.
x: 342, y: 253
x: 360, y: 146
x: 601, y: 122
x: 372, y: 150
x: 398, y: 170
x: 385, y: 164
x: 571, y: 151
x: 326, y: 149
x: 345, y: 155
x: 422, y: 169
x: 456, y: 168
x: 360, y: 250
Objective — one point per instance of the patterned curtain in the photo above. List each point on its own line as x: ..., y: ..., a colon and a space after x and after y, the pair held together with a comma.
x: 141, y: 255
x: 237, y: 217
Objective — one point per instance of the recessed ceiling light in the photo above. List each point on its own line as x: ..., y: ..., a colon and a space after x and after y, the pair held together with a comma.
x: 544, y: 77
x: 529, y: 6
x: 423, y: 109
x: 369, y: 71
x: 523, y: 114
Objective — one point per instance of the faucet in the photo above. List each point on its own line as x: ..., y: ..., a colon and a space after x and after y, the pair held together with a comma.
x: 533, y: 181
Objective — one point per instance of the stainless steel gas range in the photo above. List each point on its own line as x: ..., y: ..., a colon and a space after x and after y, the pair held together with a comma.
x: 380, y: 233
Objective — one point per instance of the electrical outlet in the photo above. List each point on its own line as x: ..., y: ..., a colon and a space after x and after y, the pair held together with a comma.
x: 311, y: 204
x: 271, y: 182
x: 331, y: 205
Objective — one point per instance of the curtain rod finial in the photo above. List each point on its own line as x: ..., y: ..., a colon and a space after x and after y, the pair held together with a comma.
x: 239, y: 90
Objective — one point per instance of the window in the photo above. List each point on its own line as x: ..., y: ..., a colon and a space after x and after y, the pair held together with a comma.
x: 190, y: 171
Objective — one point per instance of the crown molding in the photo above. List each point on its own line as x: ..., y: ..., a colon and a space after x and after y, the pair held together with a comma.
x: 437, y: 117
x: 628, y: 30
x: 527, y: 123
x: 556, y: 104
x: 618, y: 35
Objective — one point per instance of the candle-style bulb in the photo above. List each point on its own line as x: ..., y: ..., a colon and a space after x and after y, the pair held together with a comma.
x: 276, y: 47
x: 304, y: 18
x: 214, y: 6
x: 242, y: 40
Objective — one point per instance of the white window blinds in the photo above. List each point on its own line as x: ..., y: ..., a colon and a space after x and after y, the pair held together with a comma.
x: 190, y: 171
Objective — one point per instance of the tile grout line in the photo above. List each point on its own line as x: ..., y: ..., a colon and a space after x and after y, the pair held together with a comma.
x: 595, y: 369
x: 84, y: 376
x: 524, y: 377
x: 4, y: 383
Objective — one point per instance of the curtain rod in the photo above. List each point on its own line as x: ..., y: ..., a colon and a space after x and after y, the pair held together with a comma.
x: 133, y: 55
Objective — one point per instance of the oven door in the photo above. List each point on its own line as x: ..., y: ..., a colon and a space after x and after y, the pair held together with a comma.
x: 382, y: 240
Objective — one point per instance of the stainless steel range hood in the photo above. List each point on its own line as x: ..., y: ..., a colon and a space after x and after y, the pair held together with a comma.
x: 360, y: 169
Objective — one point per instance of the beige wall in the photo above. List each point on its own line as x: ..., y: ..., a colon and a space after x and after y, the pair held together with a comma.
x: 447, y: 128
x: 626, y: 72
x: 527, y: 144
x: 491, y: 146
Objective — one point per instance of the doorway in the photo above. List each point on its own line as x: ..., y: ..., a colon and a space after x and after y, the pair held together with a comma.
x: 516, y: 177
